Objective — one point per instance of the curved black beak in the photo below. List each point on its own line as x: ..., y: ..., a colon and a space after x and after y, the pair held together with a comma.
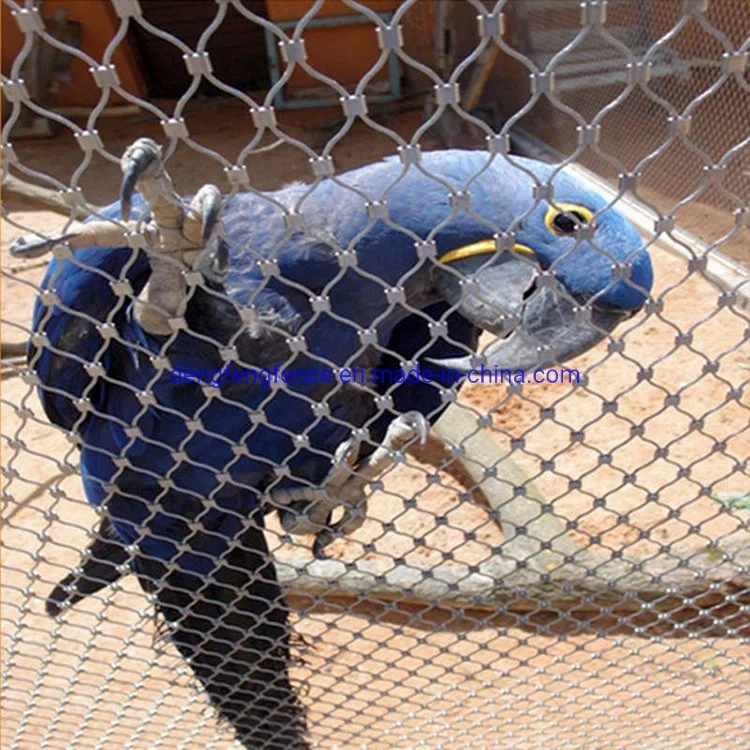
x: 537, y: 326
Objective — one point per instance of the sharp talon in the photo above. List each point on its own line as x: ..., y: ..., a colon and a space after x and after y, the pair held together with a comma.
x: 210, y: 203
x: 213, y: 261
x: 347, y: 525
x: 347, y: 453
x: 136, y: 161
x: 352, y: 519
x: 322, y: 540
x: 344, y: 459
x: 306, y: 515
x: 417, y: 423
x: 221, y: 258
x: 32, y: 247
x: 421, y: 425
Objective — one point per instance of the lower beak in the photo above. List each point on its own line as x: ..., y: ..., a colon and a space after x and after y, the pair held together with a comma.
x: 537, y: 327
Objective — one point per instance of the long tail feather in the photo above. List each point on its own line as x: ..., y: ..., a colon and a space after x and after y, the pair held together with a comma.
x: 234, y: 632
x: 99, y: 567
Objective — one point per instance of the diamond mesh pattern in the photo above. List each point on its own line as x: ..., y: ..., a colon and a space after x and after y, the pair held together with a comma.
x: 685, y: 56
x: 566, y: 564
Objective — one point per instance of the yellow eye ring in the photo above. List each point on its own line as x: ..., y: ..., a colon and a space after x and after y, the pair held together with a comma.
x: 563, y: 218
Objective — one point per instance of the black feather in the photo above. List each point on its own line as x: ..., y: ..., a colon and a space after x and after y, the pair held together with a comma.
x: 100, y: 566
x: 233, y: 628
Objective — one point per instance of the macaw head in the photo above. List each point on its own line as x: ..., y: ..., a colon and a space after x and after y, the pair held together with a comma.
x: 550, y: 272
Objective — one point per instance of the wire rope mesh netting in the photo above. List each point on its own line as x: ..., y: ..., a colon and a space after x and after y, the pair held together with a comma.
x: 558, y: 562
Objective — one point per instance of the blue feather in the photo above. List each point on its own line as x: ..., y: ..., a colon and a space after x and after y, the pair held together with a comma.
x: 182, y: 471
x: 336, y: 217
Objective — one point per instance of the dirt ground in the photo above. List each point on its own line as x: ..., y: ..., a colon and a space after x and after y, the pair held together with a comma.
x: 96, y: 679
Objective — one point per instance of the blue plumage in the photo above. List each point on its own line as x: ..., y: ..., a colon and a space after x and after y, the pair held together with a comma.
x: 220, y: 450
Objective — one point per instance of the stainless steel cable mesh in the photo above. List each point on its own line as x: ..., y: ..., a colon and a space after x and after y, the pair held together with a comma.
x: 561, y: 564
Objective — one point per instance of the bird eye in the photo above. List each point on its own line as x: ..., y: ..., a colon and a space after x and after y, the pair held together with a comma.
x: 565, y: 218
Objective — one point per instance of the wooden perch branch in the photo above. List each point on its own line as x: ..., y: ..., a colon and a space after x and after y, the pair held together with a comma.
x: 42, y: 197
x: 560, y: 586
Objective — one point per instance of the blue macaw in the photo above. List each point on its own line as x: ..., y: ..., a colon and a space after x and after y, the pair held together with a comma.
x: 183, y: 471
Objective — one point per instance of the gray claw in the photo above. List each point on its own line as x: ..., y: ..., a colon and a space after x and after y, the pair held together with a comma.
x: 406, y: 427
x: 306, y: 509
x: 221, y: 258
x: 420, y: 424
x: 27, y: 248
x: 211, y: 208
x: 322, y: 540
x: 213, y: 261
x: 137, y: 160
x: 353, y: 518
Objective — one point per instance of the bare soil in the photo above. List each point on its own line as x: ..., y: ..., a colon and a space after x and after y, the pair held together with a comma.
x: 97, y: 679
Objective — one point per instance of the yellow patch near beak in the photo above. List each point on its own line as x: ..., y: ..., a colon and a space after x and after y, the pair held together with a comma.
x: 480, y: 248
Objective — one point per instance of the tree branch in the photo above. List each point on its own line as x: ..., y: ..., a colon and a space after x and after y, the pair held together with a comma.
x: 562, y: 588
x: 42, y: 197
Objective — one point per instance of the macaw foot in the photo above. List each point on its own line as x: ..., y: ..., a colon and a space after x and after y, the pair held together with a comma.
x: 187, y: 237
x: 306, y: 510
x: 177, y: 238
x: 309, y: 510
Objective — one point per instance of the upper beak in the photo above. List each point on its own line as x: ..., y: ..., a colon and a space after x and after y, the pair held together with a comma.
x: 537, y: 327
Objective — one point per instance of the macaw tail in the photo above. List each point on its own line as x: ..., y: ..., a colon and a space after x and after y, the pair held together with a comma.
x: 233, y: 629
x: 103, y: 563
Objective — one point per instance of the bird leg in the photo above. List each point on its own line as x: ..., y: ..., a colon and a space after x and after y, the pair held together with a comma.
x: 403, y: 430
x: 306, y: 510
x: 309, y: 510
x: 107, y: 233
x: 182, y: 235
x: 176, y: 238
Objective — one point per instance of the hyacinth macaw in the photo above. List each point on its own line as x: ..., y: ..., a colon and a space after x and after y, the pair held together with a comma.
x: 183, y: 471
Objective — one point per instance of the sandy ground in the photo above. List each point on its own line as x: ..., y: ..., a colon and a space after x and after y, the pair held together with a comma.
x: 95, y: 679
